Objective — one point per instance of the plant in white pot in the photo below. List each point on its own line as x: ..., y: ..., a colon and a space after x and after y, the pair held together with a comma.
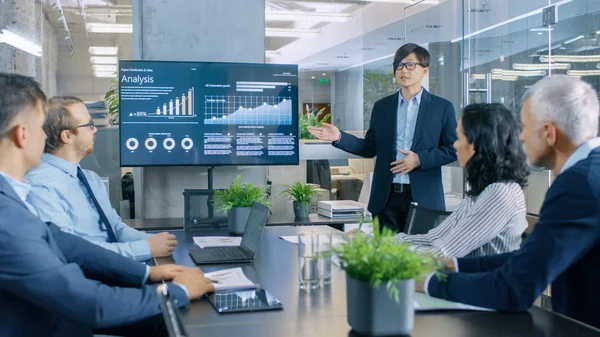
x: 302, y: 194
x: 237, y: 201
x: 380, y: 275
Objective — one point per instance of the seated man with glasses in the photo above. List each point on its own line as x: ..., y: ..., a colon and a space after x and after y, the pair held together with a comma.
x: 76, y: 199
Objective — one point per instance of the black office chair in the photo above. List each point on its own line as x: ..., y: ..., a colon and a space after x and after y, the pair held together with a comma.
x: 171, y: 313
x: 421, y: 220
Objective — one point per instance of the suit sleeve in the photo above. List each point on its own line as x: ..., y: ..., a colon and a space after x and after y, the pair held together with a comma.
x: 483, y: 263
x: 445, y: 153
x: 98, y: 263
x: 361, y: 147
x: 32, y: 270
x: 567, y: 230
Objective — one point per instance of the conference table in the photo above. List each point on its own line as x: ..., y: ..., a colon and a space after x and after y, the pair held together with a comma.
x: 275, y: 219
x: 322, y: 312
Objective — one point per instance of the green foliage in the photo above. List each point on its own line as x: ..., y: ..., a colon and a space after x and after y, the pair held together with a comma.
x: 381, y: 259
x: 377, y: 83
x: 239, y: 195
x: 112, y: 99
x: 309, y: 119
x: 300, y: 192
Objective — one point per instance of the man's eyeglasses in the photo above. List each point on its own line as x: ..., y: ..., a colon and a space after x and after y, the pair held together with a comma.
x: 410, y: 65
x: 90, y: 125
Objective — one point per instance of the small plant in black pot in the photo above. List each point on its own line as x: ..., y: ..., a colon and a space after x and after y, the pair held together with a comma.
x: 237, y: 200
x: 302, y: 194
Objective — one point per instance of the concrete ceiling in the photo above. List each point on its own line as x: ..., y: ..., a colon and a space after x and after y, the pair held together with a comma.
x: 377, y: 29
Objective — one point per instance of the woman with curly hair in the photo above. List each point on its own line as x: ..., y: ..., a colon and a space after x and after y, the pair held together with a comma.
x: 492, y: 218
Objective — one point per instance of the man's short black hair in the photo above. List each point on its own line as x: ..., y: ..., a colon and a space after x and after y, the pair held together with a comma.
x: 422, y: 54
x: 17, y: 93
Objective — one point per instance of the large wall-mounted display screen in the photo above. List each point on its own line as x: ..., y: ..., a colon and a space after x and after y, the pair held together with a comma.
x: 207, y: 113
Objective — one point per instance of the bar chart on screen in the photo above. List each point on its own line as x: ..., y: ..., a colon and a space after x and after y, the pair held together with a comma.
x: 178, y: 107
x: 247, y: 110
x: 170, y: 108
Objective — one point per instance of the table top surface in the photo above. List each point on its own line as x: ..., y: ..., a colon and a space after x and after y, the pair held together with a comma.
x: 322, y: 312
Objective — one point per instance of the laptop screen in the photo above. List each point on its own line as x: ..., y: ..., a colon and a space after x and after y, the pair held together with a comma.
x: 254, y: 227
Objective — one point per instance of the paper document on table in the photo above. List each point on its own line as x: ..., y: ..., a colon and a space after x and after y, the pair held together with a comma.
x: 424, y: 302
x: 230, y: 279
x: 217, y: 241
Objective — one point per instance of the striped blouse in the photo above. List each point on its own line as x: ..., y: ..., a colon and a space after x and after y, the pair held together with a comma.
x: 491, y: 223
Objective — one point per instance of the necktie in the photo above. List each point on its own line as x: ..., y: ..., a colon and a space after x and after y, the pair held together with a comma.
x: 109, y: 230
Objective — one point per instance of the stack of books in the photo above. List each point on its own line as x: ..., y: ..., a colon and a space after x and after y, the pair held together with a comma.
x: 341, y: 209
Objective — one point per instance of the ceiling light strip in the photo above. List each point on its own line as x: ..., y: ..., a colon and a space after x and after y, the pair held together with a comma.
x: 290, y: 32
x: 122, y: 28
x: 541, y: 66
x: 11, y: 38
x: 571, y: 58
x: 103, y: 51
x: 307, y: 16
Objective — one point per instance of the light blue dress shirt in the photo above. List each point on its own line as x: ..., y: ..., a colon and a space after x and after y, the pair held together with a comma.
x: 22, y: 190
x: 582, y: 152
x: 406, y: 121
x: 59, y: 197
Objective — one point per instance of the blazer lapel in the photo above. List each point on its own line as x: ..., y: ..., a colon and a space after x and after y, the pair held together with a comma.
x: 392, y: 119
x: 421, y: 118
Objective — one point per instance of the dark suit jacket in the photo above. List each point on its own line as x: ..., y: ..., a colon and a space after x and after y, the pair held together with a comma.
x: 435, y: 134
x: 563, y: 249
x: 57, y: 284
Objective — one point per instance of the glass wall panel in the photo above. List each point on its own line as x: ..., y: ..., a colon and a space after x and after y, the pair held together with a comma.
x: 505, y: 46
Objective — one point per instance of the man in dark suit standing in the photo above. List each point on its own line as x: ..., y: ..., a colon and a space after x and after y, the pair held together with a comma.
x: 411, y: 133
x: 560, y: 132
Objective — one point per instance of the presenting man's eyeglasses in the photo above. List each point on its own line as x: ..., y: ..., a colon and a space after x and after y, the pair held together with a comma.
x: 410, y: 65
x: 90, y: 125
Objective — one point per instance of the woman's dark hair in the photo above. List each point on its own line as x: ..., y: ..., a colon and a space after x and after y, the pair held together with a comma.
x: 499, y: 155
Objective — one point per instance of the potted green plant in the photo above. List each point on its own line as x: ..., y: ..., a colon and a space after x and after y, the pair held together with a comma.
x: 112, y: 99
x: 380, y: 275
x: 236, y: 201
x: 302, y: 194
x: 310, y: 119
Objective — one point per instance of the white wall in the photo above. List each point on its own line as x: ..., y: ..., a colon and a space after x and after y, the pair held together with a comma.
x: 75, y: 77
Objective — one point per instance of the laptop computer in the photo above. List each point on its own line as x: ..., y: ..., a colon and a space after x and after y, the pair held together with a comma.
x: 246, y: 250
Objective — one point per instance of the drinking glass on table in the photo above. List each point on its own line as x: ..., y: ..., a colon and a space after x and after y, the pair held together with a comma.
x: 325, y: 253
x: 308, y: 260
